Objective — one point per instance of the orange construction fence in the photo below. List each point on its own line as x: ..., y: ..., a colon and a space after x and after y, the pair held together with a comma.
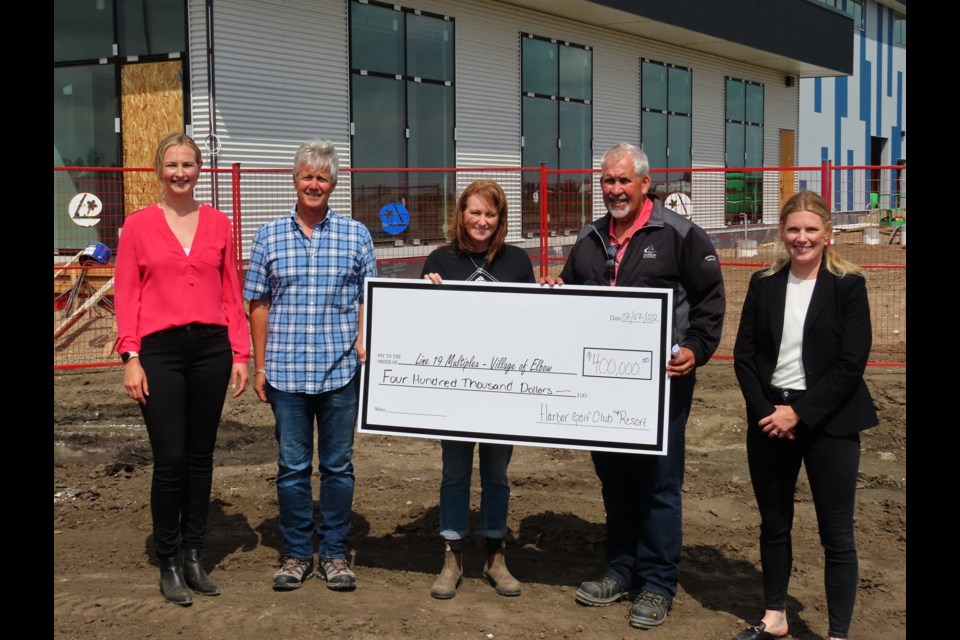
x: 408, y: 212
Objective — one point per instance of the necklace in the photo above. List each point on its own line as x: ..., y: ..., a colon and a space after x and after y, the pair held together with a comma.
x: 479, y: 267
x: 481, y: 274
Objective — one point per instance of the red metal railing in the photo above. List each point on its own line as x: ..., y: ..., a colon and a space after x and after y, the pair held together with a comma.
x: 408, y: 212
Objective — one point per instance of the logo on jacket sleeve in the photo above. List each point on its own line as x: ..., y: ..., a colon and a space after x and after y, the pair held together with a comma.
x: 650, y: 252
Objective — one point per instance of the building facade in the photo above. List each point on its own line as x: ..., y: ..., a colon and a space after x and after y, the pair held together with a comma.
x: 446, y: 84
x: 860, y: 119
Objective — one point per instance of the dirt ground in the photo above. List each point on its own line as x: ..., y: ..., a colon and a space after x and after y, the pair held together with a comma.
x: 105, y: 576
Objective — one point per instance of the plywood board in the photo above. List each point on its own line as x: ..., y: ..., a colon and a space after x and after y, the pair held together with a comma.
x: 152, y: 107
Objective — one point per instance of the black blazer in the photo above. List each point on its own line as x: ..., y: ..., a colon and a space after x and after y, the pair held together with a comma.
x: 836, y: 344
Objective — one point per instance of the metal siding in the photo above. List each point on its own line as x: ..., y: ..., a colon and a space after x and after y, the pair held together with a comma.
x: 281, y: 77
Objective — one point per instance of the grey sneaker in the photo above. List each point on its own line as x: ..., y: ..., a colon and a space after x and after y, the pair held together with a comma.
x: 292, y: 573
x: 337, y: 573
x: 649, y: 610
x: 600, y: 593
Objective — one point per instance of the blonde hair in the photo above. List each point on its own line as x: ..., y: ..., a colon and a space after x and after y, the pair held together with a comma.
x: 814, y: 203
x: 490, y: 191
x: 175, y: 139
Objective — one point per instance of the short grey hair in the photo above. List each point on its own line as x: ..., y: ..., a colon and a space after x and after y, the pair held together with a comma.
x: 317, y: 154
x: 641, y: 166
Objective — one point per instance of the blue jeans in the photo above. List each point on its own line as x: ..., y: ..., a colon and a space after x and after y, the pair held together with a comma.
x: 455, y: 489
x: 335, y: 413
x: 641, y: 494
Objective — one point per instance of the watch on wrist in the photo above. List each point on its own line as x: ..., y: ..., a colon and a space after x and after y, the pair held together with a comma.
x: 126, y: 356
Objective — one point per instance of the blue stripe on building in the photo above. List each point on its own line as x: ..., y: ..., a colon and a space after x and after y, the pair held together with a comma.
x: 840, y: 102
x: 817, y: 95
x: 889, y: 44
x: 879, y: 88
x: 897, y: 142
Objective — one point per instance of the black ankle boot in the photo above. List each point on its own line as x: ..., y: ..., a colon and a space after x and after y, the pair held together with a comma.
x: 172, y: 584
x: 197, y: 579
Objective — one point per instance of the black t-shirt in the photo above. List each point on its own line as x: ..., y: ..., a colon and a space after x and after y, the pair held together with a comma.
x: 512, y: 265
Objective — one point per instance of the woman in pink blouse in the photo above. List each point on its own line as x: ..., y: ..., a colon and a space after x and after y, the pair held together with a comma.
x: 183, y: 336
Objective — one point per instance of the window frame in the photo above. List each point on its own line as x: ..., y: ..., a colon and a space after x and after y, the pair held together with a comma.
x: 571, y: 204
x: 431, y: 193
x: 669, y: 115
x: 747, y: 187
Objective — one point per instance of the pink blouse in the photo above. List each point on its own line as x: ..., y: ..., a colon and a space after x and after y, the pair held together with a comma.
x: 158, y: 286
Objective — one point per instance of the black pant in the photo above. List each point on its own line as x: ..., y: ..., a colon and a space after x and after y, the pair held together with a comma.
x: 832, y: 463
x: 188, y: 369
x: 643, y: 499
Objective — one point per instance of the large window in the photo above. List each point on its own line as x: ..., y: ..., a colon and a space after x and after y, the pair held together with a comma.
x: 557, y: 129
x: 744, y: 149
x: 402, y: 116
x: 900, y: 30
x: 107, y: 56
x: 86, y: 29
x: 666, y: 99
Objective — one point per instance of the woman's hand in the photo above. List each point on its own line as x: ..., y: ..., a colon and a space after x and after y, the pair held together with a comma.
x: 551, y: 281
x: 434, y: 278
x: 239, y: 377
x: 781, y: 422
x: 135, y: 381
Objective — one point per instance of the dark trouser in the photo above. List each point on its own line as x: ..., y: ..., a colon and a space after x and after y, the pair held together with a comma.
x: 641, y: 494
x: 188, y: 369
x: 832, y: 463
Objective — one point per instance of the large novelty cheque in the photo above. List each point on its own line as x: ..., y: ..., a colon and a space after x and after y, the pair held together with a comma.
x: 570, y: 367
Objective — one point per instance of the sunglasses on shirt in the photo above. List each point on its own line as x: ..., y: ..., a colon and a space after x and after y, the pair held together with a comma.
x: 611, y: 262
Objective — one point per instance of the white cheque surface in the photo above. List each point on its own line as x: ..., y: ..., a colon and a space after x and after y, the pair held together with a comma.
x: 570, y: 367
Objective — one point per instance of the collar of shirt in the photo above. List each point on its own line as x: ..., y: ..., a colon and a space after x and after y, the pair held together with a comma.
x: 296, y: 223
x: 641, y: 220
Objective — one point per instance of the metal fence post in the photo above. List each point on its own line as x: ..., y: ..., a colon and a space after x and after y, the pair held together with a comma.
x: 237, y: 218
x: 544, y: 227
x: 826, y: 183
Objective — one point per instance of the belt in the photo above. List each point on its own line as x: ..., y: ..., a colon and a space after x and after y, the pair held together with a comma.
x: 185, y: 329
x: 786, y: 396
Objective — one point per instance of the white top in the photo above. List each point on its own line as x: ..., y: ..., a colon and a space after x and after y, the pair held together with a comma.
x: 789, y: 371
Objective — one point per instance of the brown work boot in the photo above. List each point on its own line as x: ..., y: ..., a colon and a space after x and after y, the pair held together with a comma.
x: 495, y: 571
x: 445, y: 586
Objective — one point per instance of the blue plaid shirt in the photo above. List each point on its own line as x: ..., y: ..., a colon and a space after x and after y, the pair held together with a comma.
x: 315, y: 289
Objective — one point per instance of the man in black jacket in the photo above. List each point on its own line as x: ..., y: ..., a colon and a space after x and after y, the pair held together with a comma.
x: 640, y: 243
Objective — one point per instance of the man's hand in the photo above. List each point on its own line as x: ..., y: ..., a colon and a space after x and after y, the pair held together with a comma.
x: 681, y: 364
x: 260, y: 386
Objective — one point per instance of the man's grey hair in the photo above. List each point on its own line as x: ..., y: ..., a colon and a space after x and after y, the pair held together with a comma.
x: 641, y: 166
x: 317, y: 154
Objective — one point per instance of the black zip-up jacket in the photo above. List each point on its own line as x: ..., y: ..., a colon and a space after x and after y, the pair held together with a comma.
x: 668, y: 251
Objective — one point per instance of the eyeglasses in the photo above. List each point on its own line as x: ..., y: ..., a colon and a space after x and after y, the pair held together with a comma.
x: 611, y: 262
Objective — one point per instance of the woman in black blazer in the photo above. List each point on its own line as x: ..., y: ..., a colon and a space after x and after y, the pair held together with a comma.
x: 800, y: 354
